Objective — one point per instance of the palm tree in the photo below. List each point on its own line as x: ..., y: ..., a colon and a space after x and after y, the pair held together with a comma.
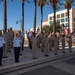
x: 54, y: 6
x: 5, y: 14
x: 41, y: 4
x: 68, y: 4
x: 23, y: 13
x: 35, y: 7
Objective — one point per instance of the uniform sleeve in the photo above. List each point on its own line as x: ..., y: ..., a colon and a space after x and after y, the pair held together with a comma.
x: 4, y: 41
x: 13, y: 40
x: 20, y: 40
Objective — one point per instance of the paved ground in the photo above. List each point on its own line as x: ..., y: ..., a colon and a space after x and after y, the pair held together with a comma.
x: 52, y: 65
x: 70, y: 61
x: 47, y: 70
x: 27, y: 58
x: 57, y: 67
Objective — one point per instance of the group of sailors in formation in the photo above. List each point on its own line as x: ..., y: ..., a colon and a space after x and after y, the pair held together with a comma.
x: 48, y: 42
x: 9, y: 40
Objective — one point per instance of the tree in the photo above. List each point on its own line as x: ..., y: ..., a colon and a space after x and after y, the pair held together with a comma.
x: 54, y: 6
x: 5, y: 14
x: 50, y: 28
x: 35, y: 7
x: 41, y: 3
x: 22, y: 15
x: 68, y: 4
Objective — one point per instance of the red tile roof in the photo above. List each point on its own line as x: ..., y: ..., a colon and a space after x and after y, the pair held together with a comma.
x: 45, y: 20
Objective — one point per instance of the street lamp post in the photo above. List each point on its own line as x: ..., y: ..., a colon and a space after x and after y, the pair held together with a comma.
x: 19, y: 21
x: 22, y: 15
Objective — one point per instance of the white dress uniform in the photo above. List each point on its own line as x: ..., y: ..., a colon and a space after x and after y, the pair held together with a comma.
x: 17, y: 46
x: 2, y: 42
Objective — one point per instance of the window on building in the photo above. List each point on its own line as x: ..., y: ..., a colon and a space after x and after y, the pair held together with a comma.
x: 62, y: 15
x: 66, y: 24
x: 66, y: 19
x: 51, y: 22
x: 66, y: 14
x: 50, y: 18
x: 58, y: 21
x: 74, y: 24
x: 62, y: 20
x: 58, y: 16
x: 74, y: 19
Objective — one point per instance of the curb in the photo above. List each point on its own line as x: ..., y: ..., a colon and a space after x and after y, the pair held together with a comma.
x: 23, y: 65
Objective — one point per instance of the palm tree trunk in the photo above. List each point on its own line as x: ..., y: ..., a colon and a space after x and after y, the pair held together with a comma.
x: 68, y: 20
x: 5, y: 15
x: 22, y: 16
x: 35, y: 6
x: 54, y: 26
x: 41, y: 16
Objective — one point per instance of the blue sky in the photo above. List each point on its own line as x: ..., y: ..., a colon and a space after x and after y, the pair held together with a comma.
x: 14, y: 14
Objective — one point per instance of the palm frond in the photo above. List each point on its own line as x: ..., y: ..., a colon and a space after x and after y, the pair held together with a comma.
x: 28, y: 1
x: 1, y: 1
x: 12, y: 0
x: 57, y: 7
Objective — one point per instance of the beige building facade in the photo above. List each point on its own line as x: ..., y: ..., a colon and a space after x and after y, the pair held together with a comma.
x: 62, y: 18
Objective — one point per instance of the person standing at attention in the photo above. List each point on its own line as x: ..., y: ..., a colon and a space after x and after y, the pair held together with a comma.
x: 34, y: 45
x: 2, y: 44
x: 70, y: 44
x: 17, y: 46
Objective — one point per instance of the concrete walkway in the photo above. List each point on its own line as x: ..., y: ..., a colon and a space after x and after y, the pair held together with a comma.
x: 26, y: 59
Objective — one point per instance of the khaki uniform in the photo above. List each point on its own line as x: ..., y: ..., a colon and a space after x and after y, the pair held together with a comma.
x: 63, y: 44
x: 39, y: 38
x: 30, y: 35
x: 58, y: 37
x: 8, y: 42
x: 55, y: 45
x: 34, y: 46
x: 46, y: 45
x: 42, y: 43
x: 70, y: 44
x: 50, y: 42
x: 11, y: 33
